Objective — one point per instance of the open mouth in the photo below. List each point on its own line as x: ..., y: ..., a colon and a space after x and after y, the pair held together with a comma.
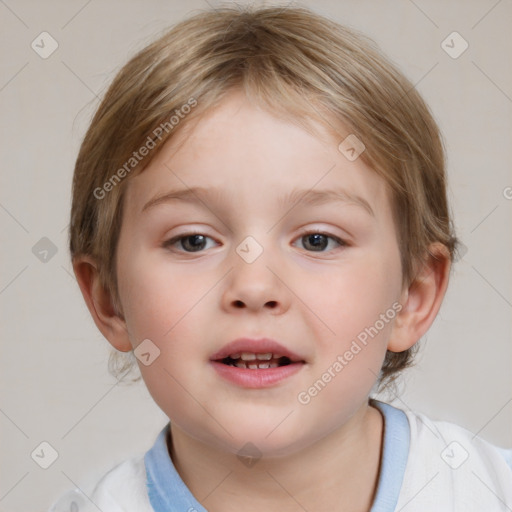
x: 253, y: 361
x: 256, y: 363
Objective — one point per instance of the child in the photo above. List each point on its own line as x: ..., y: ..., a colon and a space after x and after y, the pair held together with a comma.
x: 256, y: 134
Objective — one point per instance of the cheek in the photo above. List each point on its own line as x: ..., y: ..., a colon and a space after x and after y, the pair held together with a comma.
x: 358, y: 310
x: 168, y: 312
x: 355, y: 316
x: 154, y: 299
x: 355, y: 296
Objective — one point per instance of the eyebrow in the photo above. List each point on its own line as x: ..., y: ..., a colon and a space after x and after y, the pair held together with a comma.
x: 307, y: 197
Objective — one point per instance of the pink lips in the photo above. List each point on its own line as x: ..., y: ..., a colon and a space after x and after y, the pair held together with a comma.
x: 256, y: 377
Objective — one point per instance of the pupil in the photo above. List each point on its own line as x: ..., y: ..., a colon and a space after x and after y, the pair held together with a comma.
x: 319, y: 240
x: 193, y: 247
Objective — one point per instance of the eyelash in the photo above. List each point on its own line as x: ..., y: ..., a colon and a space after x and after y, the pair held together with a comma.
x: 169, y: 243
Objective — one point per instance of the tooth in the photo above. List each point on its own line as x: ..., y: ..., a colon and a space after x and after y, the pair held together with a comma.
x: 252, y: 366
x: 247, y: 356
x: 264, y: 357
x: 235, y: 356
x: 264, y: 365
x: 240, y: 364
x: 273, y: 365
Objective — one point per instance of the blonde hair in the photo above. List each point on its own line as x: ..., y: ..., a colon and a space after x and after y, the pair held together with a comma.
x: 295, y: 63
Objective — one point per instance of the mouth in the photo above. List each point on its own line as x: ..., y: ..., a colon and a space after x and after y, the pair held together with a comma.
x: 252, y: 361
x: 256, y: 363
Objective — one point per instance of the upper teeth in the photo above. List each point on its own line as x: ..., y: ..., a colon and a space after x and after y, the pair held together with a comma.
x: 249, y: 356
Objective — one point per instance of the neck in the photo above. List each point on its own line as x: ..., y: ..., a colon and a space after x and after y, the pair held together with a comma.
x: 339, y: 472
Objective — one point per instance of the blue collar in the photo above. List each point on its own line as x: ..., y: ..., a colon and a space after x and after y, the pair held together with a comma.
x: 168, y: 493
x: 395, y: 450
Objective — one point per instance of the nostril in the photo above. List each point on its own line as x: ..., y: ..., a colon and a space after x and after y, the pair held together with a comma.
x: 240, y: 304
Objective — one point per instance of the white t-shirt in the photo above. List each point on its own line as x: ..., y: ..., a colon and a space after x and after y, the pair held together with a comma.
x: 426, y: 466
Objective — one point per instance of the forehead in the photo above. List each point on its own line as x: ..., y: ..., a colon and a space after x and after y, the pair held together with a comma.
x: 241, y: 151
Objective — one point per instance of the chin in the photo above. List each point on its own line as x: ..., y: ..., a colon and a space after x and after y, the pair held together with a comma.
x: 263, y: 439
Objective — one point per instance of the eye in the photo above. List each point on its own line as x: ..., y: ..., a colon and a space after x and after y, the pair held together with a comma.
x: 316, y: 241
x: 313, y: 241
x: 189, y: 242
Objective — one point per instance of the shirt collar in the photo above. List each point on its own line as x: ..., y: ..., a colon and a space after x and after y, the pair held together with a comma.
x: 168, y: 493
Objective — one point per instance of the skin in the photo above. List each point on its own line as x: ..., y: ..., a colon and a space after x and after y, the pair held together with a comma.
x: 322, y: 455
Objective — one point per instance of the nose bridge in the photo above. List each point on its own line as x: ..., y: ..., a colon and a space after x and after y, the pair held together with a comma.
x: 253, y: 283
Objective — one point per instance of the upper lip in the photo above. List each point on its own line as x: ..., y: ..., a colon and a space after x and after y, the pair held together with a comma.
x: 255, y: 346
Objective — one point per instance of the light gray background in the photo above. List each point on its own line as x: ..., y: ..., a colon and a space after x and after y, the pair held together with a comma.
x: 54, y: 381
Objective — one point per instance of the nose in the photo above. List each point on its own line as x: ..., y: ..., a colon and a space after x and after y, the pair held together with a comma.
x: 256, y: 286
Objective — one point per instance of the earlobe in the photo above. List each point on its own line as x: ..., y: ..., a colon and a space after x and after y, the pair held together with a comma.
x: 100, y: 304
x: 422, y: 300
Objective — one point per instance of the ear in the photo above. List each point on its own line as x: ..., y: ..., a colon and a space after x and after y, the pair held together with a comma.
x: 100, y: 304
x: 422, y: 299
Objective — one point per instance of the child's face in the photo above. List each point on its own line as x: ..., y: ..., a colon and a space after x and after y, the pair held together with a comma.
x: 310, y: 294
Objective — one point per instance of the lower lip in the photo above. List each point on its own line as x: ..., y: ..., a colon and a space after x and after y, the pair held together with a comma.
x: 257, y: 378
